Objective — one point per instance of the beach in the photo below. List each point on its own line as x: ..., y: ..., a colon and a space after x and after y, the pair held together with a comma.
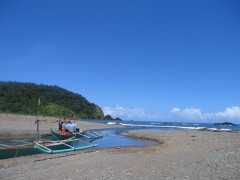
x: 180, y: 154
x: 24, y: 125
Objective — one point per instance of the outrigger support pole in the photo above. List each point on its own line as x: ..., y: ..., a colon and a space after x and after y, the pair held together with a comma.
x: 38, y: 134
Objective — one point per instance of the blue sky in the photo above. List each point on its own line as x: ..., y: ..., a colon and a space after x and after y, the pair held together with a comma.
x: 141, y: 60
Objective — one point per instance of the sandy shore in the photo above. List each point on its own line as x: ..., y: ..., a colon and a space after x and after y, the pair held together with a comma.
x: 180, y: 155
x: 15, y: 125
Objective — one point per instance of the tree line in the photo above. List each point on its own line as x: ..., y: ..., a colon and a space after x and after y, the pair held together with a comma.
x: 23, y: 98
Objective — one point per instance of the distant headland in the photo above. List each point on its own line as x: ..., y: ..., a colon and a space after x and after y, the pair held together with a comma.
x: 224, y: 124
x: 108, y: 117
x: 29, y: 98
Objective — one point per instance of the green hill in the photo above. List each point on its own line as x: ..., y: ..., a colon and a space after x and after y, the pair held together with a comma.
x: 22, y: 98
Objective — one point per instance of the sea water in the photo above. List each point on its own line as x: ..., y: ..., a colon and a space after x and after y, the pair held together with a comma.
x: 168, y: 125
x: 114, y: 138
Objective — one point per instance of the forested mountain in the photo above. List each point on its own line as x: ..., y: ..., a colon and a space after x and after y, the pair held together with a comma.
x: 22, y: 98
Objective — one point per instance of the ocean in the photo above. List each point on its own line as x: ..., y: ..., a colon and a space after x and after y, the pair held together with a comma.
x: 169, y: 125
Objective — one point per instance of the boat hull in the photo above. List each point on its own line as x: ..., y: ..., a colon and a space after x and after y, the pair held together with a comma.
x: 18, y: 151
x: 56, y: 136
x: 88, y: 135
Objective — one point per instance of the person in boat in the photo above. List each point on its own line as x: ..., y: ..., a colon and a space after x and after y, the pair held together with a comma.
x: 60, y: 128
x: 69, y: 131
x: 65, y: 120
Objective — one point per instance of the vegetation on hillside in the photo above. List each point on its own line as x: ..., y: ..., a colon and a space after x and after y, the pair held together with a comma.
x: 22, y: 98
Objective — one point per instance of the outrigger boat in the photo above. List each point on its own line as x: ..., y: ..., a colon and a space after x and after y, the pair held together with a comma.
x: 89, y: 135
x: 70, y: 130
x: 64, y: 142
x: 16, y: 148
x: 58, y: 143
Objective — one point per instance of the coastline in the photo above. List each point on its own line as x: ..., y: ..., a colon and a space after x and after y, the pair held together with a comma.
x: 181, y: 154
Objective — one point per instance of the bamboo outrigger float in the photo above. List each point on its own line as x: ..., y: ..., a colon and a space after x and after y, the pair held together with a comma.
x: 60, y: 147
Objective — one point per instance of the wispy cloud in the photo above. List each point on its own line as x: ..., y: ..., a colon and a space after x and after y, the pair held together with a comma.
x: 230, y: 113
x: 130, y: 113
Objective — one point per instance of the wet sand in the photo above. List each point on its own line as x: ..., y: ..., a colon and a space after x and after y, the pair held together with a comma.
x: 185, y: 154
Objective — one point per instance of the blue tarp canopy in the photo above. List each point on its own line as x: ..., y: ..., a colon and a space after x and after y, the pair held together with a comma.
x: 70, y: 126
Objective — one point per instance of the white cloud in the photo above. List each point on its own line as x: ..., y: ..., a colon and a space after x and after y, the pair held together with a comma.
x: 230, y: 113
x: 188, y: 113
x: 191, y: 113
x: 175, y: 110
x: 130, y: 113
